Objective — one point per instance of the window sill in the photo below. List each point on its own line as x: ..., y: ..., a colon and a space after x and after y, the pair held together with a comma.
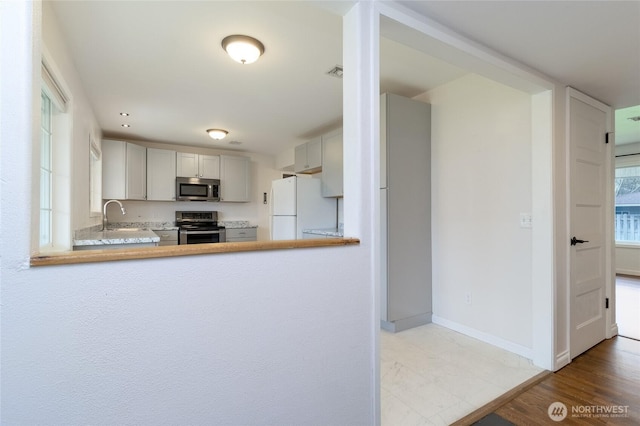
x: 628, y: 245
x: 90, y: 256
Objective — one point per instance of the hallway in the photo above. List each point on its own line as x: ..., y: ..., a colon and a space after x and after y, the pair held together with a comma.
x: 628, y: 306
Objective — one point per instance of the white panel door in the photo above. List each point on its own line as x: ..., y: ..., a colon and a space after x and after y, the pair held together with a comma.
x: 589, y: 155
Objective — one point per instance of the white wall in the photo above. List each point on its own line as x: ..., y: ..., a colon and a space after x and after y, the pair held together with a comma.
x: 481, y: 174
x: 280, y: 337
x: 82, y: 117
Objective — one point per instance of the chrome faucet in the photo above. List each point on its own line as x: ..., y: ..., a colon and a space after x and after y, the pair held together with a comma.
x: 104, y: 213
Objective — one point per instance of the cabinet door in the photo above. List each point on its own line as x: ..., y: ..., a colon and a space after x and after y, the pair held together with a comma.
x: 234, y: 178
x: 308, y: 156
x: 314, y: 154
x: 136, y: 172
x: 242, y: 234
x: 114, y: 169
x: 332, y: 166
x: 209, y: 166
x: 186, y: 164
x: 300, y: 158
x: 161, y: 174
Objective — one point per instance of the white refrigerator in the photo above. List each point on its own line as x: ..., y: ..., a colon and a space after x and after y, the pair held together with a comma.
x: 297, y: 204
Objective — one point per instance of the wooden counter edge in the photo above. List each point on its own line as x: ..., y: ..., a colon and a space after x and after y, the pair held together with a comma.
x: 90, y: 256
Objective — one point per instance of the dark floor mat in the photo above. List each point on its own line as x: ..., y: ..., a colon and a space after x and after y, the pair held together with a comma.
x: 493, y: 420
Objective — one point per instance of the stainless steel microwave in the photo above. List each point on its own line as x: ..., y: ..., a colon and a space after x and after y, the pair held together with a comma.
x: 197, y: 189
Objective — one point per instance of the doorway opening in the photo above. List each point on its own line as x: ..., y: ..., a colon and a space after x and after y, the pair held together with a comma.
x: 627, y: 221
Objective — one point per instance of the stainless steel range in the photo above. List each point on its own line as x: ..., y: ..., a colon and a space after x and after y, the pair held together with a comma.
x: 199, y: 228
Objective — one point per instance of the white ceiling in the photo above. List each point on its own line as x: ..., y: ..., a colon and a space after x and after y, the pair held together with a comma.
x: 161, y: 61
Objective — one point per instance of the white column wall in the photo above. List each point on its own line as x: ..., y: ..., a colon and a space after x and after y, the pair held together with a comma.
x: 280, y: 337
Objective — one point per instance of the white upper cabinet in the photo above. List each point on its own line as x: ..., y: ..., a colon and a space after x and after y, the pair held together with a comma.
x: 161, y: 174
x: 209, y: 166
x: 136, y: 172
x: 332, y: 165
x: 124, y: 170
x: 197, y: 165
x: 235, y: 177
x: 308, y: 156
x: 114, y: 169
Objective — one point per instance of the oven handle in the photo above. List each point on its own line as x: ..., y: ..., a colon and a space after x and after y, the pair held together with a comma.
x: 200, y: 232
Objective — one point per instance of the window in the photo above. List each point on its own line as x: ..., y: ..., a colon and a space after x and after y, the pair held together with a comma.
x: 46, y: 173
x: 627, y: 192
x: 53, y: 203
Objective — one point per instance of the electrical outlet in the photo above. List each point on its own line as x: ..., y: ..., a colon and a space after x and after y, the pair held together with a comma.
x: 526, y: 220
x: 467, y: 298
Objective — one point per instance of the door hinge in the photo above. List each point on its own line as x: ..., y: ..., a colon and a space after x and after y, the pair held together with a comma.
x: 606, y: 303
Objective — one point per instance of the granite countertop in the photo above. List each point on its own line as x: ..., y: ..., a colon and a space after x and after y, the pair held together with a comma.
x: 124, y: 235
x: 236, y: 224
x: 327, y: 232
x: 157, y: 226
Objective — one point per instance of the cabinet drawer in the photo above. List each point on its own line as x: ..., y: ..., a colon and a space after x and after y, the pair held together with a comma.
x: 241, y: 234
x: 167, y: 237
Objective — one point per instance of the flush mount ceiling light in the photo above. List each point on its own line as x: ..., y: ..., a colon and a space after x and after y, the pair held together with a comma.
x: 242, y: 48
x: 217, y: 134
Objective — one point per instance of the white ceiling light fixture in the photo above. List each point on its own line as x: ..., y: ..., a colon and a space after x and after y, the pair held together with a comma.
x: 217, y: 134
x: 242, y: 48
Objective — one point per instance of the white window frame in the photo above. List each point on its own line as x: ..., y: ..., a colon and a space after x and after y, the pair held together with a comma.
x: 632, y: 160
x: 46, y: 173
x: 59, y: 190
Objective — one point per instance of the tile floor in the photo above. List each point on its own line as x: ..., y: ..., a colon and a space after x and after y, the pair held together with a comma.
x: 431, y: 375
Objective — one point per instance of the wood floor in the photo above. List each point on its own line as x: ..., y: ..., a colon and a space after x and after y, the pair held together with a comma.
x: 603, y: 380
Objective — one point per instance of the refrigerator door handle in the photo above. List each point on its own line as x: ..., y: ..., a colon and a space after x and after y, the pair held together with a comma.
x: 271, y: 214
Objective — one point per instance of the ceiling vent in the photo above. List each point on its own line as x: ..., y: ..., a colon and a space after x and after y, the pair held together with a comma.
x: 336, y: 71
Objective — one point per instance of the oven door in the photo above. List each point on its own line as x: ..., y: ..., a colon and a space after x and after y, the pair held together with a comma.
x: 202, y: 237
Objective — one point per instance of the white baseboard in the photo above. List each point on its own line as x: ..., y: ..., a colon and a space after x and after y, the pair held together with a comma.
x: 562, y: 359
x: 613, y: 331
x: 484, y: 337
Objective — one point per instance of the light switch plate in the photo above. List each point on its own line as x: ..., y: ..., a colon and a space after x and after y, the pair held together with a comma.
x: 526, y: 220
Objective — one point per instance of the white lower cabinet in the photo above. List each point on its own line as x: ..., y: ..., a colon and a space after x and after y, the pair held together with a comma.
x: 167, y: 237
x: 241, y: 234
x: 235, y: 177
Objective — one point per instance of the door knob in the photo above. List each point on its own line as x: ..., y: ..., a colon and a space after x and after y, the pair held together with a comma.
x: 575, y: 241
